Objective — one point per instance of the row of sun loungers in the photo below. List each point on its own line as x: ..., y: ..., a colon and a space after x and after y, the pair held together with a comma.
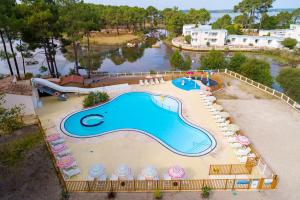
x: 151, y: 81
x: 242, y: 152
x: 65, y: 160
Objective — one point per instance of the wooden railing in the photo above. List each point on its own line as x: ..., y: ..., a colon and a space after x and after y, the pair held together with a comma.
x: 170, y: 185
x: 231, y: 169
x: 266, y: 89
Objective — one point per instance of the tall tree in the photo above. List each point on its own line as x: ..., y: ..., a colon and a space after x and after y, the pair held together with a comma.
x: 201, y: 16
x: 72, y: 24
x: 7, y: 9
x: 296, y: 15
x: 222, y: 22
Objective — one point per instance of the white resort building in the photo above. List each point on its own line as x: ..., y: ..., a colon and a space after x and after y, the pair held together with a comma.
x: 293, y: 32
x: 204, y: 35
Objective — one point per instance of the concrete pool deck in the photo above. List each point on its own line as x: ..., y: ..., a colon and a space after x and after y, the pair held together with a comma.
x: 135, y: 149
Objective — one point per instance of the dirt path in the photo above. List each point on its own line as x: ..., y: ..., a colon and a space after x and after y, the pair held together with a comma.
x: 32, y: 178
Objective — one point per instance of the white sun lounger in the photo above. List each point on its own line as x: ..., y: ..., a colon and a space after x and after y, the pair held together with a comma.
x: 71, y: 172
x: 64, y: 153
x: 162, y: 80
x: 56, y: 142
x: 243, y: 159
x: 229, y: 133
x: 232, y: 140
x: 146, y: 82
x: 152, y: 82
x: 141, y: 82
x: 243, y: 152
x: 236, y: 145
x: 156, y: 81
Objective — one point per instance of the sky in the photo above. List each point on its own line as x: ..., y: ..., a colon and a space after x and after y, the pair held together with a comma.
x: 186, y: 4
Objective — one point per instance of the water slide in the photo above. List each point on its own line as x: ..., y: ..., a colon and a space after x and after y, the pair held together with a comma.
x: 49, y: 87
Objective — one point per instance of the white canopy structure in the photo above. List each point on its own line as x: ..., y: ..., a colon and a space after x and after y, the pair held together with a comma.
x: 149, y: 173
x: 123, y: 172
x: 225, y: 114
x: 97, y: 171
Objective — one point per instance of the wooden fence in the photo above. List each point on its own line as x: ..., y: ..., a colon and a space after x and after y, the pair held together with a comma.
x: 231, y: 169
x: 171, y: 185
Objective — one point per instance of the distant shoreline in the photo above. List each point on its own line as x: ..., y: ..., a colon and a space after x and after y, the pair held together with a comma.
x: 231, y: 10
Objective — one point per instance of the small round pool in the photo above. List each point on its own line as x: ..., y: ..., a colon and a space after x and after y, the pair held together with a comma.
x: 186, y: 84
x: 92, y: 120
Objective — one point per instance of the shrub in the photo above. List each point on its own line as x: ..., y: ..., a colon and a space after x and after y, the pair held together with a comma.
x: 10, y: 119
x: 289, y: 80
x: 157, y: 194
x: 213, y: 60
x: 257, y: 70
x: 236, y: 61
x: 152, y: 71
x: 28, y: 75
x: 205, y: 192
x: 72, y: 71
x: 289, y: 43
x: 95, y: 98
x: 43, y: 69
x: 188, y: 39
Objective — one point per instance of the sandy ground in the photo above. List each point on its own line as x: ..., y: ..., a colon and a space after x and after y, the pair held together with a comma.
x: 135, y: 149
x: 272, y: 126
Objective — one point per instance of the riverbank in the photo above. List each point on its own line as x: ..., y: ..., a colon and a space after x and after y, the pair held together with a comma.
x: 98, y: 38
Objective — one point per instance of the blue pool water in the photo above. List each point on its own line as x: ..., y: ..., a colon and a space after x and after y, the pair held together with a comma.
x: 140, y: 111
x: 189, y: 84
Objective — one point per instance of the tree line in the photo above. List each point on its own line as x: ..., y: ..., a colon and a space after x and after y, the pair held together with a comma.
x: 40, y: 23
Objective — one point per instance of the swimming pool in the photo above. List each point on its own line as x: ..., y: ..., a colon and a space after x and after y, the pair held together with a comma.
x: 146, y: 113
x: 188, y: 85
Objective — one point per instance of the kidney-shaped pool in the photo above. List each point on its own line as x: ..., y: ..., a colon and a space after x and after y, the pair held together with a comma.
x: 156, y: 116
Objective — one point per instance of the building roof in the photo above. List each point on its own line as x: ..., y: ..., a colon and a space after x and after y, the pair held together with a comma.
x: 20, y: 88
x: 71, y: 79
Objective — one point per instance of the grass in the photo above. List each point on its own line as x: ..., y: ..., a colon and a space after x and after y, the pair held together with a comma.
x: 105, y: 39
x: 14, y: 151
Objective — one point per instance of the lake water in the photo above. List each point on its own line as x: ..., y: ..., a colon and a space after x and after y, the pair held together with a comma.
x: 142, y: 58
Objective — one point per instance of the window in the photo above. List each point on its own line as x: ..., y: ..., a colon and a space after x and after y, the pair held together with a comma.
x: 256, y: 41
x: 269, y: 41
x: 232, y: 39
x: 245, y: 40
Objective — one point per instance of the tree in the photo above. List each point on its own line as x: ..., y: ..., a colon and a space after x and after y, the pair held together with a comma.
x: 213, y: 60
x: 268, y: 22
x: 174, y: 19
x: 289, y: 80
x: 40, y: 28
x: 289, y: 43
x: 234, y: 29
x: 152, y: 13
x: 7, y: 24
x: 241, y: 19
x: 222, y: 22
x: 188, y: 39
x: 284, y: 19
x: 236, y: 62
x: 176, y: 60
x: 253, y: 7
x: 201, y: 16
x: 296, y: 15
x: 257, y: 70
x: 72, y: 22
x: 10, y: 119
